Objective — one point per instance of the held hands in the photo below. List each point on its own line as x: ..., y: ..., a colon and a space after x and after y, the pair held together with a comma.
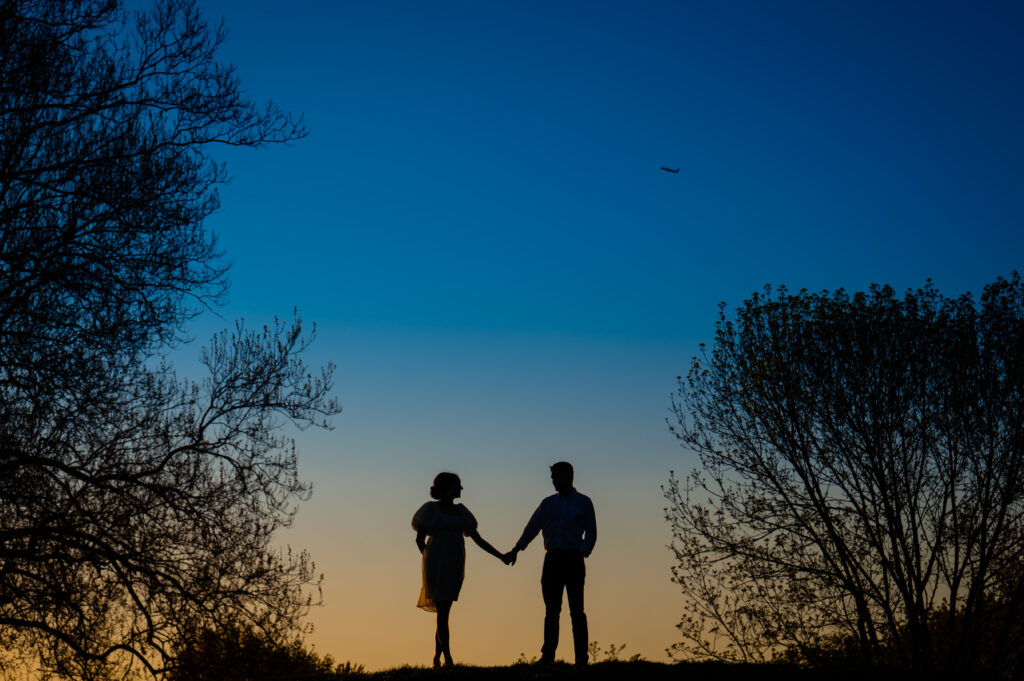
x: 510, y: 557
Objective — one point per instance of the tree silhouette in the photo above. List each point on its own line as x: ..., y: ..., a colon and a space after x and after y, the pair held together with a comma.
x: 862, y: 479
x: 235, y: 652
x: 133, y: 502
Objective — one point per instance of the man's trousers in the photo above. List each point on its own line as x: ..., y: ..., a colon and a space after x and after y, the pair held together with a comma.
x: 564, y: 569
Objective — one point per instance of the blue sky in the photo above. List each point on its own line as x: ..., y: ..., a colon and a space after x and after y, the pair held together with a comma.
x: 478, y: 223
x: 496, y: 165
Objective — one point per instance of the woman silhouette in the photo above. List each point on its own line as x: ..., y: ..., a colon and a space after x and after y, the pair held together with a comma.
x: 444, y: 555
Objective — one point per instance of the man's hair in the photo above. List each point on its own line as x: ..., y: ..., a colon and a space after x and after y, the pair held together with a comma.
x: 562, y: 468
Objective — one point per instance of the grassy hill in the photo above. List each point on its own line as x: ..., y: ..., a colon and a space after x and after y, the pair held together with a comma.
x: 644, y: 671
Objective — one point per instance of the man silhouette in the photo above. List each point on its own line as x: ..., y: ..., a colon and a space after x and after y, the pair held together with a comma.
x: 570, y: 531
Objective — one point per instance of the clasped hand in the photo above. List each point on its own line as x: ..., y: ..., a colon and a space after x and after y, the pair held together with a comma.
x: 510, y: 557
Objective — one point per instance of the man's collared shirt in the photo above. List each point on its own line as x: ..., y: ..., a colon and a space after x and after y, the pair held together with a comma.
x: 567, y: 523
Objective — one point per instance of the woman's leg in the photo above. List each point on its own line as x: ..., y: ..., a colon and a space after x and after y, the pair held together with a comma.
x: 442, y: 638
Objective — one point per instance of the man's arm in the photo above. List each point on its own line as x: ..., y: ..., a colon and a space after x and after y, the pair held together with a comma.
x: 589, y: 529
x: 532, y: 528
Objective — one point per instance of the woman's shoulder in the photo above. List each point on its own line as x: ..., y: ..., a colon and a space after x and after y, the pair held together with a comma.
x: 425, y: 515
x: 467, y: 514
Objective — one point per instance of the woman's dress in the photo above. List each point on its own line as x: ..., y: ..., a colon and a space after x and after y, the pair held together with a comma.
x: 444, y: 561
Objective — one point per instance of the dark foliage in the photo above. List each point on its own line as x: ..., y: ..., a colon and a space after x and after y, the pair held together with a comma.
x: 236, y: 652
x: 994, y: 655
x: 862, y: 490
x: 131, y: 502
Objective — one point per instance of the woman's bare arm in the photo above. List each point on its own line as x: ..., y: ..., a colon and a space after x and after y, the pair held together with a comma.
x: 482, y: 543
x: 421, y: 540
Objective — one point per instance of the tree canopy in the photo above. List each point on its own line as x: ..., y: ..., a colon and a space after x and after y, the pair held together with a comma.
x: 861, y: 479
x: 132, y: 502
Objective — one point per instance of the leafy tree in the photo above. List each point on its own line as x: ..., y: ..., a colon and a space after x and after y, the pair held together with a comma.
x: 862, y: 479
x: 133, y: 503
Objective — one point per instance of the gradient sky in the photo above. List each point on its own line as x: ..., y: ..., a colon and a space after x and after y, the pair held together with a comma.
x: 504, y: 277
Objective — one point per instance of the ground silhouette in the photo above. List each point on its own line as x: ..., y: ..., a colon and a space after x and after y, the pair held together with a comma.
x: 642, y: 670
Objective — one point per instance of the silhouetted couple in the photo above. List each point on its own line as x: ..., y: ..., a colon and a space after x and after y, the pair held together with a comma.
x: 568, y: 525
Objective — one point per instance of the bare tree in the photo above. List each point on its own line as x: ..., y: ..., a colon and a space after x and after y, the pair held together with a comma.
x: 133, y: 503
x: 861, y: 479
